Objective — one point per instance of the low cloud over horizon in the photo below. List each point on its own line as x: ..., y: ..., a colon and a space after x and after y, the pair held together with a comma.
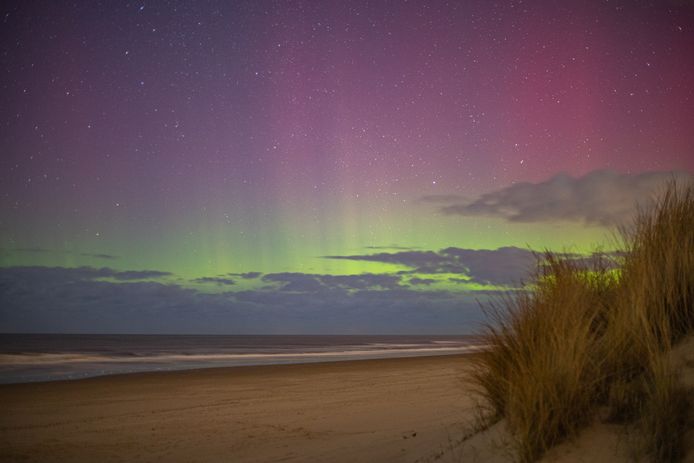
x: 90, y: 300
x: 433, y: 292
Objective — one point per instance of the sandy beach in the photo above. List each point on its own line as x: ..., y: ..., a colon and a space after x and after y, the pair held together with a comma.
x: 394, y: 410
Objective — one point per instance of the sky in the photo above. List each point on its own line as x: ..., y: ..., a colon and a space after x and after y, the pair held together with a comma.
x: 322, y: 167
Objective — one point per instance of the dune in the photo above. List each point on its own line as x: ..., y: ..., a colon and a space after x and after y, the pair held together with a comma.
x: 591, y: 362
x: 601, y: 441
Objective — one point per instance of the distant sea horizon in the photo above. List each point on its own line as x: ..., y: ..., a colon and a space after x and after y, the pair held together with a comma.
x: 31, y: 357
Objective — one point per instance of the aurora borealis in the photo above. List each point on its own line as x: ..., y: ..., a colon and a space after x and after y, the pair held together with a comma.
x: 321, y: 166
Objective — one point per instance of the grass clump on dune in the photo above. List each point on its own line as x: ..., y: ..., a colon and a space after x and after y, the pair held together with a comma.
x: 662, y: 413
x: 588, y: 334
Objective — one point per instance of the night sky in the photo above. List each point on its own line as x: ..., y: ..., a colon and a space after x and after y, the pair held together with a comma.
x: 301, y: 167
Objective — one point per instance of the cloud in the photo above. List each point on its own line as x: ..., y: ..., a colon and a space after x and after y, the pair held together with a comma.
x: 503, y: 266
x: 306, y: 282
x: 247, y: 275
x: 68, y: 275
x: 600, y: 198
x: 216, y: 280
x: 57, y: 299
x: 415, y: 259
x: 363, y: 281
x: 80, y: 300
x: 391, y: 247
x: 292, y: 281
x: 139, y: 274
x: 99, y: 256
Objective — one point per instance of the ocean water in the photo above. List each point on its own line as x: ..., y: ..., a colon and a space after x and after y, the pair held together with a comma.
x: 50, y: 357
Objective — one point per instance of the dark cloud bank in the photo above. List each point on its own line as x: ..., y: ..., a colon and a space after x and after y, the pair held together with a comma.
x: 55, y: 299
x: 503, y: 266
x: 87, y: 299
x: 90, y: 299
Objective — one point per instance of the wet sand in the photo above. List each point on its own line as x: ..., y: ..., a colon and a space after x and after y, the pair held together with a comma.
x: 394, y: 410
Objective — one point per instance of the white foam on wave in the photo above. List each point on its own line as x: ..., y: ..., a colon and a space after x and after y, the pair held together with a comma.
x: 17, y: 360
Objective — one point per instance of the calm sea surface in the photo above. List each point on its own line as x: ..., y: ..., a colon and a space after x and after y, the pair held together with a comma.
x: 48, y: 357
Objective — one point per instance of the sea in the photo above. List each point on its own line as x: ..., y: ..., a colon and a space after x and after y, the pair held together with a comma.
x: 54, y: 357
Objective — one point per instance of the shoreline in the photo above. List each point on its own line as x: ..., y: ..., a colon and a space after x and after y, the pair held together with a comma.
x: 243, y: 369
x: 183, y: 368
x: 389, y: 410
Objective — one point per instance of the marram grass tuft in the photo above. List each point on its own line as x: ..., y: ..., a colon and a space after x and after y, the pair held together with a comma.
x: 593, y: 333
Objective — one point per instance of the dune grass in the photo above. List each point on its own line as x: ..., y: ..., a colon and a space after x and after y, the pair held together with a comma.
x: 662, y: 413
x: 590, y: 334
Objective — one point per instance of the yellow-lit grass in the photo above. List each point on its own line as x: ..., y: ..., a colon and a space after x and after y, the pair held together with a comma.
x: 654, y: 309
x: 663, y: 412
x: 541, y: 372
x: 584, y: 335
x: 655, y: 304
